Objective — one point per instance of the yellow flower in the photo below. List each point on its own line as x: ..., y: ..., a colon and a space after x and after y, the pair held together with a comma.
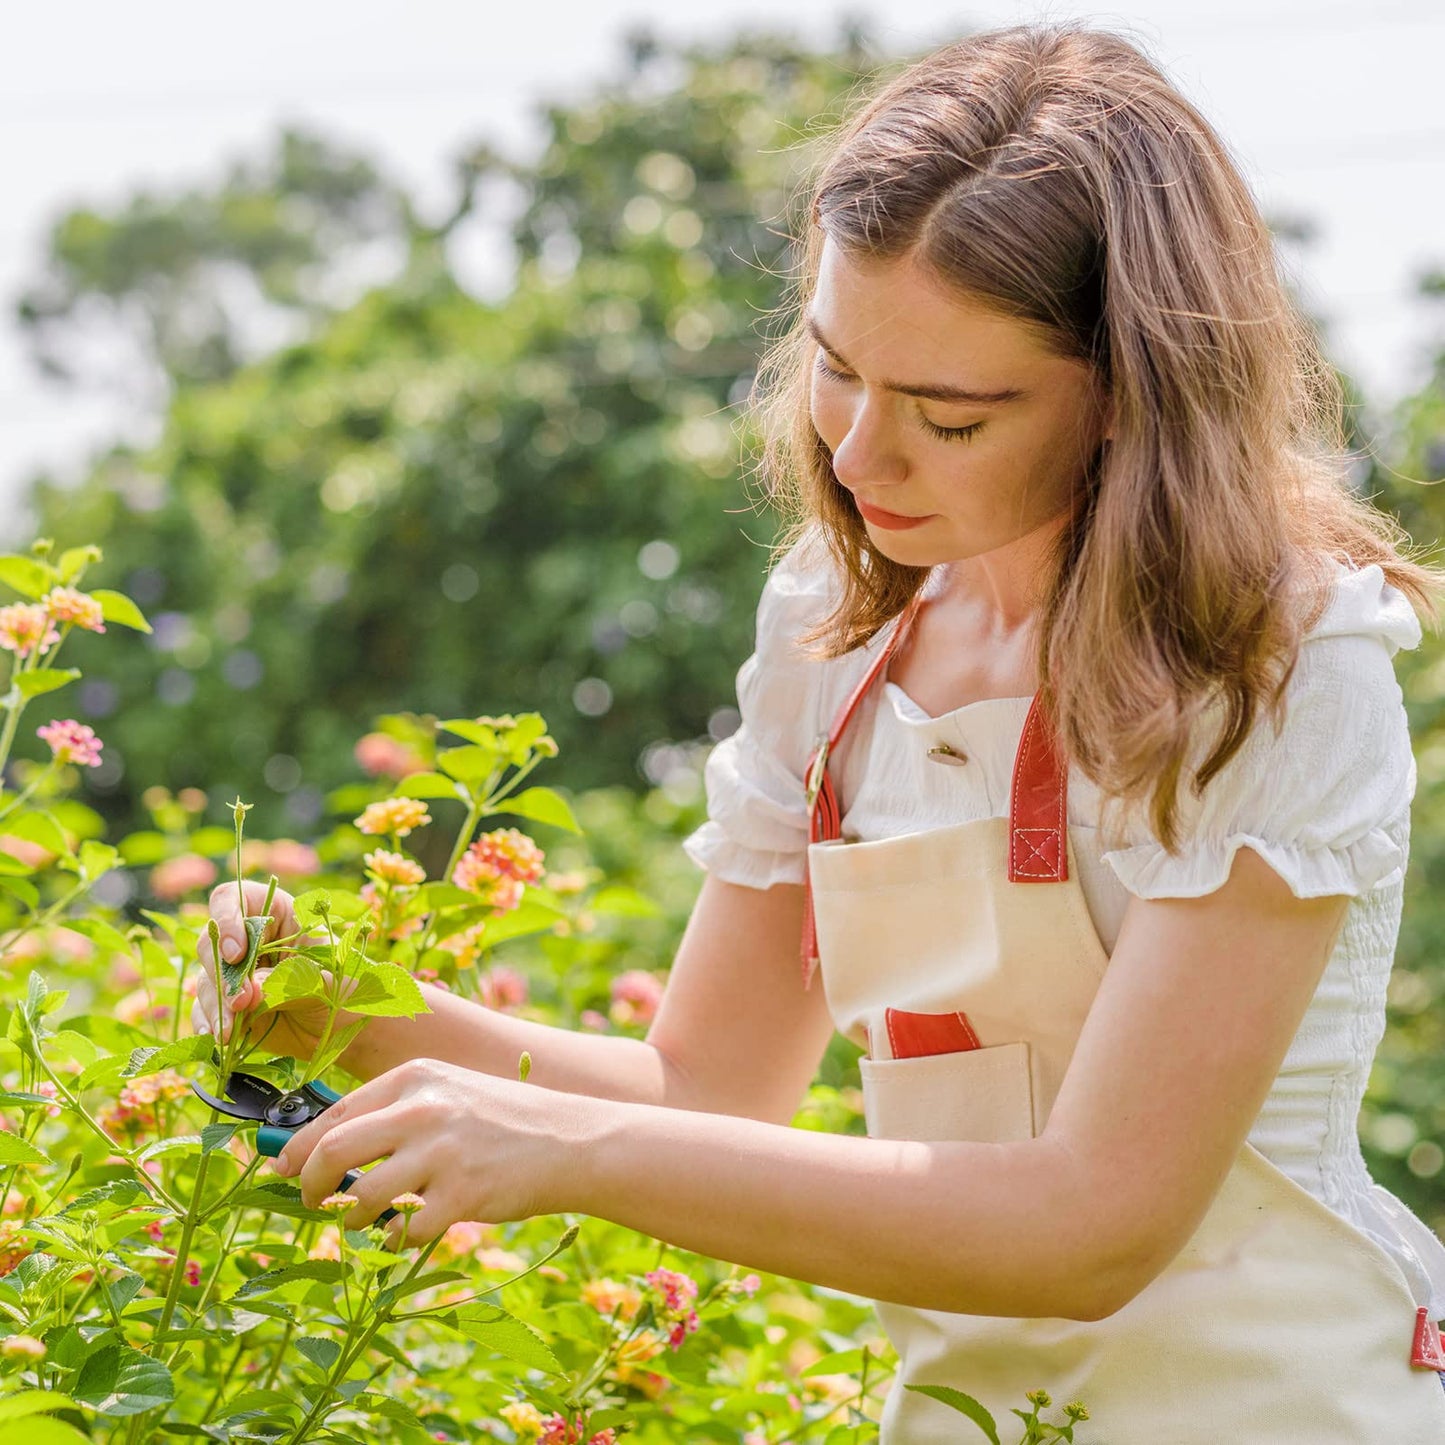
x: 394, y: 815
x: 525, y: 1419
x: 394, y: 868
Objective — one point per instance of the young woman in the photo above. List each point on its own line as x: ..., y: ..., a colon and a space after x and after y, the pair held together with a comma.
x: 1073, y: 752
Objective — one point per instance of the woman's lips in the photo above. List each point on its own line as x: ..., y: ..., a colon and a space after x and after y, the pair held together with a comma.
x: 891, y: 520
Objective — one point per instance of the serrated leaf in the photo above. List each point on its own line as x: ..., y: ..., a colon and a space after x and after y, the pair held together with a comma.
x: 295, y: 977
x: 840, y: 1362
x: 234, y: 975
x: 183, y: 1051
x: 322, y: 1353
x: 215, y: 1136
x: 15, y: 1150
x: 102, y: 1071
x: 384, y: 990
x: 469, y: 763
x: 492, y: 1326
x: 528, y: 917
x: 964, y: 1404
x: 541, y: 805
x: 123, y: 1381
x: 311, y: 907
x: 177, y: 1143
x: 327, y: 1271
x: 117, y: 607
x: 43, y: 680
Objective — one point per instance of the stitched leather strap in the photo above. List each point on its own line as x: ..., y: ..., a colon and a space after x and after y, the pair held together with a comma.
x: 1038, y: 799
x: 825, y: 816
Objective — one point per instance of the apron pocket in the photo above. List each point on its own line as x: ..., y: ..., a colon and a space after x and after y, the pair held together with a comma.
x: 982, y: 1096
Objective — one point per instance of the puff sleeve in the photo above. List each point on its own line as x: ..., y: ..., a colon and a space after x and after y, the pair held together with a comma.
x: 1326, y: 802
x: 756, y: 833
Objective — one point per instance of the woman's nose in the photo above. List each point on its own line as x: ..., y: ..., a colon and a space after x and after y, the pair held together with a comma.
x: 868, y: 454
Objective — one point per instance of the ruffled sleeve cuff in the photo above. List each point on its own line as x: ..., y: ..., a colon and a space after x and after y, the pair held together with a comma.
x: 710, y: 848
x: 1148, y: 871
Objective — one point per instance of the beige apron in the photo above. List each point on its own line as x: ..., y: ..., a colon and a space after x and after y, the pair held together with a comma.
x: 1278, y: 1322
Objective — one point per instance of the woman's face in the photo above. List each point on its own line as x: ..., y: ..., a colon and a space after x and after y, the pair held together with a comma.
x: 888, y: 331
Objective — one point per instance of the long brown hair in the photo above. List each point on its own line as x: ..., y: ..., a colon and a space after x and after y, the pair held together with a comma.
x: 1053, y: 173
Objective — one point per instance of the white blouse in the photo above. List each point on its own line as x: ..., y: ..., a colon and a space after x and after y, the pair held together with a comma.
x: 1326, y: 803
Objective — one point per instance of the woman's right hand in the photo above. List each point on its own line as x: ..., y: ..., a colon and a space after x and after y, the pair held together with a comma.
x: 293, y: 1028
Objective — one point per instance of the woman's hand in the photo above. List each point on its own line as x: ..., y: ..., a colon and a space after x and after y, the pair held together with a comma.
x: 473, y: 1146
x: 293, y: 1028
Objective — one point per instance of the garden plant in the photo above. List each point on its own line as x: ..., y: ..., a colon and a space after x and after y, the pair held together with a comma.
x: 158, y: 1282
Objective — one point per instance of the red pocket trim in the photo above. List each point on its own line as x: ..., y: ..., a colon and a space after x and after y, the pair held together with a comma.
x: 1427, y: 1353
x: 916, y: 1035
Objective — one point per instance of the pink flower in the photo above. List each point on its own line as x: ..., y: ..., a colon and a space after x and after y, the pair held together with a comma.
x: 193, y: 1272
x: 636, y: 995
x: 673, y: 1289
x: 25, y: 627
x: 291, y: 859
x: 681, y: 1330
x: 503, y: 988
x: 382, y: 756
x: 591, y: 1019
x: 183, y: 874
x: 500, y: 892
x: 65, y: 604
x: 505, y: 853
x: 71, y: 742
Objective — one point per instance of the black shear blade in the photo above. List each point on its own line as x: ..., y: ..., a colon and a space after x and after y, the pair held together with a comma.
x: 249, y: 1097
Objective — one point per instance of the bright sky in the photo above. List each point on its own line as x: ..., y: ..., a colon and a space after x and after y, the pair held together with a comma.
x: 1326, y: 103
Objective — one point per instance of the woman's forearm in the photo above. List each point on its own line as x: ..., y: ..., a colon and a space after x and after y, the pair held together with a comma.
x: 996, y: 1229
x: 459, y: 1031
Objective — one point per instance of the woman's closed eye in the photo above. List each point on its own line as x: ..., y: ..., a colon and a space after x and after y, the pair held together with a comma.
x: 944, y: 433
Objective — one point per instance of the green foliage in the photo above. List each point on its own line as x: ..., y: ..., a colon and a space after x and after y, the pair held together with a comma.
x: 432, y: 499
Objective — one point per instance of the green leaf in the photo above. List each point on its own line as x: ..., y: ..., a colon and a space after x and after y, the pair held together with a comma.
x: 468, y: 764
x: 33, y: 1402
x: 183, y: 1051
x: 322, y: 1353
x: 528, y: 917
x: 142, y: 849
x: 123, y: 1381
x: 840, y: 1362
x: 15, y: 1150
x: 38, y: 827
x: 27, y: 576
x: 327, y: 1271
x: 428, y: 785
x: 215, y: 1136
x: 117, y: 607
x: 42, y: 1431
x: 964, y: 1404
x: 20, y: 888
x: 175, y: 1143
x: 445, y: 895
x: 541, y: 805
x: 234, y: 975
x: 311, y: 907
x: 97, y: 858
x: 493, y: 1327
x: 295, y: 977
x: 384, y: 990
x: 103, y: 1070
x: 43, y: 680
x: 74, y: 561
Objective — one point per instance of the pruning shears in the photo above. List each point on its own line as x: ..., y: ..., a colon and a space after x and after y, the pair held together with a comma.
x: 279, y: 1114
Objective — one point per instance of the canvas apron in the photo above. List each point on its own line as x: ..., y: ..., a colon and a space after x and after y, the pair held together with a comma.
x: 965, y: 960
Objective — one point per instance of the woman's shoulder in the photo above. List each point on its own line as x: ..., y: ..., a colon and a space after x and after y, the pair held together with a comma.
x: 1362, y: 604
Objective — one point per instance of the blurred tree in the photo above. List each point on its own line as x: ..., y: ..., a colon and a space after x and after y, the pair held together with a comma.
x: 432, y: 503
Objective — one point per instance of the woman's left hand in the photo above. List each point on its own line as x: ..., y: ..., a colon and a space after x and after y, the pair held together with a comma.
x: 472, y: 1145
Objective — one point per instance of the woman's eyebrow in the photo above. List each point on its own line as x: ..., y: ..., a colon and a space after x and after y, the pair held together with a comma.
x: 929, y: 393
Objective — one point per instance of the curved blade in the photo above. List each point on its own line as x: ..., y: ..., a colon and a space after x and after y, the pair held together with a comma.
x: 220, y: 1105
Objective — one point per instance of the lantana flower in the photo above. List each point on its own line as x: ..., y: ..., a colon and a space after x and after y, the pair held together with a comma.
x: 498, y: 866
x: 396, y: 816
x: 66, y: 604
x: 672, y: 1295
x: 636, y: 995
x: 606, y: 1296
x: 394, y: 868
x: 383, y: 756
x: 25, y: 627
x: 71, y: 742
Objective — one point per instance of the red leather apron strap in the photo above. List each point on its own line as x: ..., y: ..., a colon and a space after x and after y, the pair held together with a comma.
x: 1038, y: 803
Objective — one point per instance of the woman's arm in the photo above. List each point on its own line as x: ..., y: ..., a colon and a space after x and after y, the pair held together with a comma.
x: 734, y: 1034
x: 1192, y: 1021
x: 1191, y: 1024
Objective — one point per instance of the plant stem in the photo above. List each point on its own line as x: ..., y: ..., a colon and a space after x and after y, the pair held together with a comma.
x: 178, y: 1267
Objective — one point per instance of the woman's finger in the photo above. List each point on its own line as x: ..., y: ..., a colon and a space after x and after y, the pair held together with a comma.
x: 350, y: 1145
